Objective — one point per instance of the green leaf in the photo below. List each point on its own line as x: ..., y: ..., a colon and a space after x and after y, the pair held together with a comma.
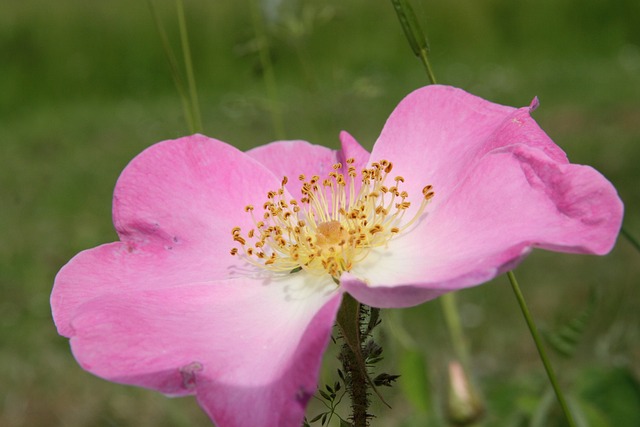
x: 410, y: 26
x: 565, y: 340
x: 415, y: 381
x: 586, y: 415
x: 614, y: 392
x: 317, y: 417
x: 385, y: 379
x: 374, y: 319
x: 325, y: 395
x: 595, y: 417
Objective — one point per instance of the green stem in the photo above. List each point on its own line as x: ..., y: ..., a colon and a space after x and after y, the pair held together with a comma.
x: 196, y: 120
x: 415, y: 36
x: 420, y: 47
x: 174, y: 68
x: 452, y: 317
x: 267, y: 68
x: 349, y: 318
x: 418, y: 42
x: 634, y: 242
x: 424, y: 58
x: 539, y: 345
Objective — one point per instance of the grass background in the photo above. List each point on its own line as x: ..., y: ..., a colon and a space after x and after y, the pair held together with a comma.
x: 84, y: 87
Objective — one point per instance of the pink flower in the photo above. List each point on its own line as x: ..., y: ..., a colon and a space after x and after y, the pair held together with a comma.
x: 202, y: 295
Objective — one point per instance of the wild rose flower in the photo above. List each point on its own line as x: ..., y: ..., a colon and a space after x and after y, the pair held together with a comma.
x: 231, y: 266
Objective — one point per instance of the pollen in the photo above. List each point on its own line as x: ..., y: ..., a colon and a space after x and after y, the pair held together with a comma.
x: 333, y: 225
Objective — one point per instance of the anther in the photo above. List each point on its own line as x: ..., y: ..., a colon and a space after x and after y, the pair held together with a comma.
x: 427, y: 193
x: 332, y: 225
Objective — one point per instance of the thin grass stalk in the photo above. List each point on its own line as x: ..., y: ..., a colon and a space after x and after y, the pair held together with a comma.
x: 420, y: 47
x: 454, y: 326
x: 196, y: 120
x: 541, y: 351
x: 634, y: 242
x: 267, y: 69
x: 174, y: 68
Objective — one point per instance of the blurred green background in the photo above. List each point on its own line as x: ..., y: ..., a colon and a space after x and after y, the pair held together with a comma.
x: 84, y: 87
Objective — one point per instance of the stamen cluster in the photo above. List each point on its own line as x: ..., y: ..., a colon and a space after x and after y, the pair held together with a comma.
x: 333, y: 225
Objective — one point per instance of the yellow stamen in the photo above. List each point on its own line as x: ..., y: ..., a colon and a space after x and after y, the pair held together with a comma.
x: 333, y: 225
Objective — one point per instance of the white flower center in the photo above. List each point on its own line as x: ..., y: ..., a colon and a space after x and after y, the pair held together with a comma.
x: 332, y: 226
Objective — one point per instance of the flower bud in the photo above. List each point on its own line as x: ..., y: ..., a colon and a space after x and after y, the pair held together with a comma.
x: 464, y: 405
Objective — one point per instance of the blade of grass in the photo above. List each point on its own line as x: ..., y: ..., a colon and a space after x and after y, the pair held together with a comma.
x: 456, y: 333
x: 418, y: 43
x: 174, y: 68
x: 634, y: 242
x: 267, y: 69
x: 196, y: 119
x: 541, y: 351
x: 415, y: 36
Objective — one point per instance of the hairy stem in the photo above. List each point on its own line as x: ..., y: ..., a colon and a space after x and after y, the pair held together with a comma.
x: 358, y: 387
x: 357, y: 380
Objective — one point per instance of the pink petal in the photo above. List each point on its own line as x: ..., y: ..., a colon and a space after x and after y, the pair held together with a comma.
x: 190, y: 190
x: 174, y: 208
x: 295, y: 158
x: 437, y: 133
x: 514, y: 199
x: 250, y: 351
x: 352, y: 149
